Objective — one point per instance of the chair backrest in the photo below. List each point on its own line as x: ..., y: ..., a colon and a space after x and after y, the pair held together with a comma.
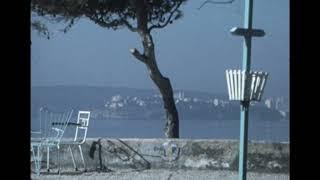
x: 82, y: 128
x: 37, y: 132
x: 55, y: 124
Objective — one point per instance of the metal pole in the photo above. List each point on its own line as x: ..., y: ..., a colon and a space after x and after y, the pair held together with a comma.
x: 244, y: 117
x: 246, y: 61
x: 244, y: 114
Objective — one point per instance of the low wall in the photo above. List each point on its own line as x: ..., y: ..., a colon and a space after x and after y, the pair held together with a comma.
x: 104, y: 154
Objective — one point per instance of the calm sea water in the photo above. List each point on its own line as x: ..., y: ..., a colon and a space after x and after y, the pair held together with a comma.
x: 269, y: 131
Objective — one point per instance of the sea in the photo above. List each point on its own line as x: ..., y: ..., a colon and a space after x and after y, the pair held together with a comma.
x: 258, y: 130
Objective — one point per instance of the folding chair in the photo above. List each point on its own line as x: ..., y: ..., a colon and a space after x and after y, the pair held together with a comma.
x: 36, y: 137
x: 52, y: 131
x: 80, y: 136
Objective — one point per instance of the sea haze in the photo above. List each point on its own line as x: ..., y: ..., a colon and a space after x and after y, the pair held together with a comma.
x: 126, y: 112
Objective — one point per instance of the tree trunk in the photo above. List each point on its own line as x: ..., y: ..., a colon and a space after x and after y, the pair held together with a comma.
x: 163, y: 83
x: 172, y: 119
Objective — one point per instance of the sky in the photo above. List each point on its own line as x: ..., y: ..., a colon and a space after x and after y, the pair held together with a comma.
x: 193, y: 52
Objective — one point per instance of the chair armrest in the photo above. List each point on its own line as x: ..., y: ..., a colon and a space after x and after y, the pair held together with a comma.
x: 73, y: 124
x: 59, y: 132
x: 68, y: 124
x: 35, y: 132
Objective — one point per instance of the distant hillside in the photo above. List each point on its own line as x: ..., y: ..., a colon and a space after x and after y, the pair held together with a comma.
x: 61, y: 97
x: 130, y: 103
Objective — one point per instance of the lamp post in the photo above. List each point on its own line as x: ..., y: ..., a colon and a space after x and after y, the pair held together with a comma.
x: 245, y: 85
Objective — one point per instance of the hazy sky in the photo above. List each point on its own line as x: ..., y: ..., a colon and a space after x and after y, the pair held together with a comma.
x: 193, y: 52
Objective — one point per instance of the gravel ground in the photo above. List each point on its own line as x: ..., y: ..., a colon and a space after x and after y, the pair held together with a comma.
x: 159, y: 174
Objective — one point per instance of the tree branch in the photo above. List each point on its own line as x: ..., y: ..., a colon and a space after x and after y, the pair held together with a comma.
x: 99, y: 20
x: 168, y: 20
x: 216, y: 2
x: 41, y: 28
x: 138, y: 55
x: 129, y: 26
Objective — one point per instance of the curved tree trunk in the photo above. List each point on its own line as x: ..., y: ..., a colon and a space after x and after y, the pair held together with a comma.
x: 172, y: 119
x: 163, y: 83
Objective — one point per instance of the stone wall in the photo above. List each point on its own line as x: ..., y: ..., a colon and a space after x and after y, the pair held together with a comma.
x: 105, y: 154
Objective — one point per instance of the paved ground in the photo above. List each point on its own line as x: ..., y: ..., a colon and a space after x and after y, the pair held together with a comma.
x: 159, y: 174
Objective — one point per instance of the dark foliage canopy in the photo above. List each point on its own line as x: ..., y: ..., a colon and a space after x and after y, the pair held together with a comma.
x: 113, y: 14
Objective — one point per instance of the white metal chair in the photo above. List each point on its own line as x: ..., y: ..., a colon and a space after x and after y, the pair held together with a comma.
x: 36, y: 137
x: 54, y: 126
x: 35, y: 140
x: 80, y: 136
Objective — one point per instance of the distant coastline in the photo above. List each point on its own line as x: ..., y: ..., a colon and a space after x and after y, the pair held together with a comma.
x: 131, y: 103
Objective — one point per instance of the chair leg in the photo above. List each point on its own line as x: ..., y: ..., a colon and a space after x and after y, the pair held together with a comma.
x: 74, y: 163
x: 48, y: 158
x: 32, y: 150
x: 84, y: 164
x: 38, y: 161
x: 34, y: 158
x: 59, y: 167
